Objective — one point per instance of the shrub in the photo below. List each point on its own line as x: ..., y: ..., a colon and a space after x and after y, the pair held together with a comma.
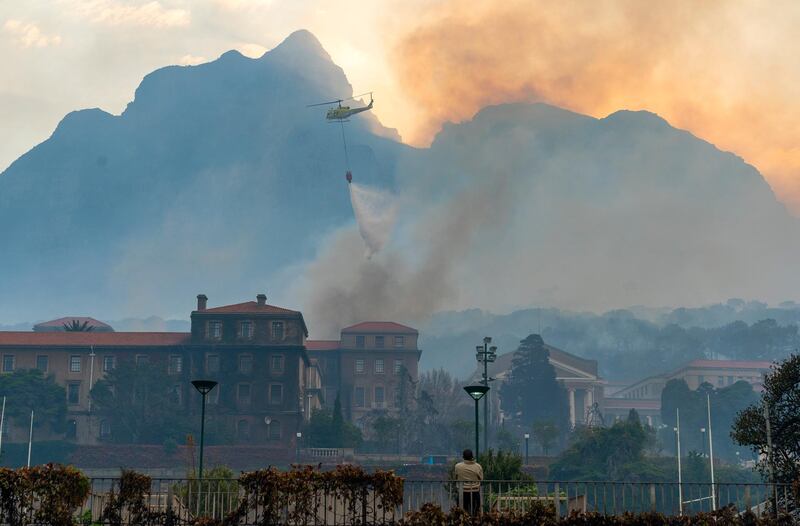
x: 47, y: 494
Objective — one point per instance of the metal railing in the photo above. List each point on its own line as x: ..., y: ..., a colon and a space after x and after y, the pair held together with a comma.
x: 180, y: 501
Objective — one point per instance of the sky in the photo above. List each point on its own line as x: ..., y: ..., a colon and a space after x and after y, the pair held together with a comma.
x: 724, y: 70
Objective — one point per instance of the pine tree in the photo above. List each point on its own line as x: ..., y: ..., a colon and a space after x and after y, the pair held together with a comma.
x: 337, y: 429
x: 531, y: 393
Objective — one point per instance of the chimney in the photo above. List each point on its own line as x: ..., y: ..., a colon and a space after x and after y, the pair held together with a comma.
x: 262, y: 299
x: 202, y: 299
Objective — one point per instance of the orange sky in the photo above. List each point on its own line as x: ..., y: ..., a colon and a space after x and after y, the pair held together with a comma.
x: 725, y: 70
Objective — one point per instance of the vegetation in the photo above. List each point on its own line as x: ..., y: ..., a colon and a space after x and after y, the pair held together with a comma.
x: 47, y: 494
x: 329, y: 429
x: 77, y: 326
x: 31, y: 389
x: 725, y: 404
x: 531, y: 393
x: 545, y: 434
x: 139, y: 403
x: 782, y: 396
x: 609, y: 453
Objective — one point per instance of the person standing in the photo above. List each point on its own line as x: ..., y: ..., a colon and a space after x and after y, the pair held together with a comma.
x: 470, y: 474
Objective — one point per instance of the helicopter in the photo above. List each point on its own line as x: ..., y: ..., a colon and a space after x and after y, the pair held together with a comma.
x: 342, y: 113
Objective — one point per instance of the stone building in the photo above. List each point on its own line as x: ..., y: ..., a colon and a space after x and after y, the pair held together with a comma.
x: 369, y: 367
x: 256, y: 351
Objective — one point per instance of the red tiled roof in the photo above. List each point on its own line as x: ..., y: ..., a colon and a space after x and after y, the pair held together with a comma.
x: 250, y: 307
x: 81, y: 319
x: 380, y: 326
x: 322, y: 345
x: 109, y: 339
x: 728, y: 364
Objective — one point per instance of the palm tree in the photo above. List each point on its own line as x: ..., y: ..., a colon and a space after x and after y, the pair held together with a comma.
x: 77, y: 326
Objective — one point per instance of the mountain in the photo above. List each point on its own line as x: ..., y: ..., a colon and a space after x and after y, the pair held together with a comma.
x: 214, y: 175
x: 217, y: 178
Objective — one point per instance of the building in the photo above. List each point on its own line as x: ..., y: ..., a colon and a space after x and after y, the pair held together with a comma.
x: 60, y: 324
x: 371, y: 367
x: 256, y: 351
x: 645, y: 395
x: 578, y: 376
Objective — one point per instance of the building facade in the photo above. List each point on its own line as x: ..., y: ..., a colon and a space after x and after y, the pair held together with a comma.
x: 578, y: 376
x: 372, y: 367
x: 256, y: 352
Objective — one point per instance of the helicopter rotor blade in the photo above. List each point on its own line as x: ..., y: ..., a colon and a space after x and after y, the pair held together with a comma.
x: 337, y: 101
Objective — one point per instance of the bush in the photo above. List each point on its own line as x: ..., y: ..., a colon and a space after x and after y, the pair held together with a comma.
x: 47, y: 494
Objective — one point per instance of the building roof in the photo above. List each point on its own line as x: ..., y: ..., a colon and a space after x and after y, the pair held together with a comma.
x: 322, y: 345
x: 58, y: 325
x: 727, y: 364
x: 380, y: 326
x: 249, y: 307
x: 101, y: 339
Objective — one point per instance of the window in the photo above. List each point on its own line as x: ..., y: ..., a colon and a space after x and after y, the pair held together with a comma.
x: 105, y: 429
x: 74, y: 364
x: 73, y: 393
x: 42, y: 362
x: 142, y: 359
x: 380, y: 400
x: 243, y: 394
x: 730, y: 380
x: 399, y: 341
x: 379, y: 341
x: 175, y: 364
x: 215, y: 330
x: 212, y: 363
x: 379, y: 366
x: 276, y: 394
x: 109, y: 363
x: 246, y: 330
x: 277, y: 364
x: 398, y: 366
x: 277, y: 331
x: 245, y: 364
x: 359, y: 366
x: 243, y: 429
x: 701, y: 379
x: 8, y: 363
x: 274, y: 430
x: 360, y: 342
x: 358, y: 398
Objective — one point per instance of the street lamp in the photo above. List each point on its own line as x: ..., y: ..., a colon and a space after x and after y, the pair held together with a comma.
x: 203, y: 387
x: 527, y: 436
x: 476, y: 392
x: 485, y: 354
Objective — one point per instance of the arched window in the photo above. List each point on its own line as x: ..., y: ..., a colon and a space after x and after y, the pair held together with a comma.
x: 274, y: 430
x: 72, y: 429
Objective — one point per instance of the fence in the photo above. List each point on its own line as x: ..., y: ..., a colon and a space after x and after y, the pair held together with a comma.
x: 177, y: 502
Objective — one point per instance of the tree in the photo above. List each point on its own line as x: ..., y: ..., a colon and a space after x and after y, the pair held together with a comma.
x: 532, y: 392
x: 608, y: 453
x: 387, y: 432
x: 506, y: 441
x: 30, y: 389
x: 141, y: 405
x: 545, y: 433
x: 782, y: 397
x: 328, y: 429
x: 77, y: 326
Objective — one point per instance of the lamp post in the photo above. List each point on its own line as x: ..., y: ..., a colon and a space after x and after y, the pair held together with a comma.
x: 485, y: 354
x: 527, y: 436
x: 203, y: 387
x: 476, y: 392
x: 677, y: 429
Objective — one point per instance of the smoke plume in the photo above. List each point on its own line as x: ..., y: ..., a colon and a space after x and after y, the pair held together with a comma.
x: 726, y: 71
x: 375, y: 213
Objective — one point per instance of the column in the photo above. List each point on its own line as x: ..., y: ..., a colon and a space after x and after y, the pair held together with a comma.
x: 572, y: 406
